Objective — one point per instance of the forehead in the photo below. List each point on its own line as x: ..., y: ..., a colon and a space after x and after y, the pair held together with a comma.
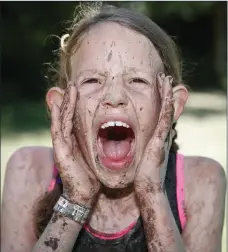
x: 113, y: 48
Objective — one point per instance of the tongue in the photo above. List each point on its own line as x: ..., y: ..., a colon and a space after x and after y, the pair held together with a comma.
x: 116, y: 150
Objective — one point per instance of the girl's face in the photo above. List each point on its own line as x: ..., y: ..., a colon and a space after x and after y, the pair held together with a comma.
x: 118, y: 106
x: 118, y: 103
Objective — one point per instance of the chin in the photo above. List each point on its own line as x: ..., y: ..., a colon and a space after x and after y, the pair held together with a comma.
x: 116, y: 181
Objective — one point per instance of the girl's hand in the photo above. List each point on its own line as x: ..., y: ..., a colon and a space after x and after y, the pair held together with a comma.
x: 152, y: 168
x: 80, y: 185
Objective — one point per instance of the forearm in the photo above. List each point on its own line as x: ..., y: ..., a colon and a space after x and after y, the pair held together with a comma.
x: 60, y: 235
x: 160, y: 228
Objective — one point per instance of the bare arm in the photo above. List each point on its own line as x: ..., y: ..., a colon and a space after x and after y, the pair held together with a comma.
x: 59, y: 235
x: 79, y: 187
x: 206, y: 201
x: 161, y: 231
x: 26, y: 180
x: 159, y: 224
x: 205, y: 213
x: 205, y: 207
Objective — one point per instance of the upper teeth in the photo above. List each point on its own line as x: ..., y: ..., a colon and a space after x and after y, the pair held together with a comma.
x: 114, y: 123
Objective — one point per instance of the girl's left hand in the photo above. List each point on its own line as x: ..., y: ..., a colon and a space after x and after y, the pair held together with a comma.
x: 151, y: 171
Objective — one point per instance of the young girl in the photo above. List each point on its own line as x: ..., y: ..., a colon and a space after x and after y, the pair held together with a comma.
x: 114, y: 180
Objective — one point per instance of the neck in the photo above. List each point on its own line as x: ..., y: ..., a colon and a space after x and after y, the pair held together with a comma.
x: 115, y: 210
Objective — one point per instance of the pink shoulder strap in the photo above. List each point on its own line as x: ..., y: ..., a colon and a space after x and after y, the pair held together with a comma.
x: 53, y: 181
x: 180, y: 189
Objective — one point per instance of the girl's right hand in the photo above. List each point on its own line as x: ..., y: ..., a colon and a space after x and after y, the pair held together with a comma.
x: 80, y: 184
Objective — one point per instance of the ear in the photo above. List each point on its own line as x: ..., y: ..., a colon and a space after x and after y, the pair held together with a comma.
x: 180, y: 95
x: 54, y: 95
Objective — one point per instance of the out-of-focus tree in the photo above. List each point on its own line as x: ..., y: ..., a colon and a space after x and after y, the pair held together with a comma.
x: 199, y: 29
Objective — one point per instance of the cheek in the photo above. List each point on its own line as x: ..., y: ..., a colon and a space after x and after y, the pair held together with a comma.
x: 148, y: 113
x: 86, y: 108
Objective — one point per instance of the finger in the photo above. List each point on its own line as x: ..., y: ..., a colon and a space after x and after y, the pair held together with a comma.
x: 56, y: 132
x: 160, y: 79
x: 167, y: 110
x: 61, y: 149
x: 68, y: 112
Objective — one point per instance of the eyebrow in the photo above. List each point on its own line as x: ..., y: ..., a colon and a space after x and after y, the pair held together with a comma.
x: 135, y: 69
x: 125, y: 72
x: 89, y: 71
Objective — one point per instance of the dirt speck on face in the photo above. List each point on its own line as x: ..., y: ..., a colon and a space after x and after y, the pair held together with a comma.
x: 109, y: 56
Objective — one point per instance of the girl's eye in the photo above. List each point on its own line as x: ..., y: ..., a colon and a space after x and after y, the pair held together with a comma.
x: 92, y: 80
x: 138, y: 80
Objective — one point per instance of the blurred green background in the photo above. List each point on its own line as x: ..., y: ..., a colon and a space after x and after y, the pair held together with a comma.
x: 199, y: 29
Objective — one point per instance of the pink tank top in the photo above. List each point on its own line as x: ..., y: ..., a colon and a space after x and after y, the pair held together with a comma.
x: 179, y: 190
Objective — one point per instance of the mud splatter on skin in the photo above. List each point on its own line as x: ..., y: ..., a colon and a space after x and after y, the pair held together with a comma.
x: 151, y: 233
x: 52, y: 243
x: 64, y: 224
x: 55, y: 217
x: 109, y: 56
x: 113, y: 44
x: 90, y: 113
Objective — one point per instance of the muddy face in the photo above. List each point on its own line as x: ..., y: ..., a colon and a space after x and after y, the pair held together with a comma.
x: 119, y: 104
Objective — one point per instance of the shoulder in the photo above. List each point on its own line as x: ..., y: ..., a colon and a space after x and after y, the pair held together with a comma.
x: 30, y: 164
x: 205, y: 179
x: 202, y: 170
x: 27, y: 176
x: 205, y: 190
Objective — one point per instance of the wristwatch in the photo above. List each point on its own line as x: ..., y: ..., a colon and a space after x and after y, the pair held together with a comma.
x: 75, y: 212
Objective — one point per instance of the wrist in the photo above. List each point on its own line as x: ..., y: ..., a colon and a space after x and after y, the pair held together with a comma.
x: 84, y: 199
x: 74, y: 211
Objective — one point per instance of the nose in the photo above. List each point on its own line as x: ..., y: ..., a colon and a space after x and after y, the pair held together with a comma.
x: 115, y: 96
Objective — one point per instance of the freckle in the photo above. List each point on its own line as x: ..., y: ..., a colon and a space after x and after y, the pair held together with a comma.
x: 133, y: 57
x: 142, y: 130
x: 88, y: 42
x: 113, y: 78
x: 141, y: 109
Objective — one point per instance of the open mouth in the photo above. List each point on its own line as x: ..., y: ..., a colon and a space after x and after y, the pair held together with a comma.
x: 116, y: 144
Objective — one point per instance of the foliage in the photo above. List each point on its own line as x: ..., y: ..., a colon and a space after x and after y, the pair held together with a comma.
x: 27, y: 43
